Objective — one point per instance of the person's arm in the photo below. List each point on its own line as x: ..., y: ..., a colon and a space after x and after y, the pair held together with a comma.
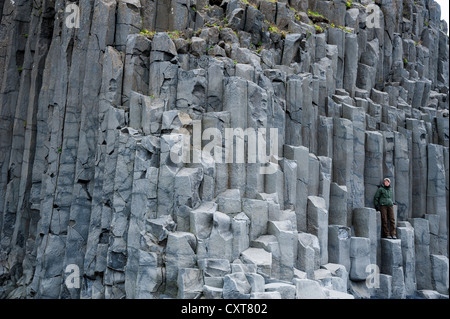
x: 391, y: 195
x: 376, y: 199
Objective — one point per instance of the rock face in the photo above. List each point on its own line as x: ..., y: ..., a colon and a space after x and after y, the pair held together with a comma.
x: 234, y: 156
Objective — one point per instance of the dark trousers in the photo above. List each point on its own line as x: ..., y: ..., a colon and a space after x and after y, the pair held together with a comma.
x: 388, y: 221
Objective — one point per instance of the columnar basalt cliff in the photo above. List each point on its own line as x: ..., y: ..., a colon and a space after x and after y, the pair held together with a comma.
x: 98, y: 98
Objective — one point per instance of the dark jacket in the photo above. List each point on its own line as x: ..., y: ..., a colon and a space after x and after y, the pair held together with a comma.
x: 383, y: 197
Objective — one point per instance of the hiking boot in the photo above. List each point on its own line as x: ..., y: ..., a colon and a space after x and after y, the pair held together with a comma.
x: 394, y: 237
x: 389, y: 237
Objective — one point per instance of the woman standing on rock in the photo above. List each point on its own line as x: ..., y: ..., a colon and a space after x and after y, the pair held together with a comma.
x: 383, y: 202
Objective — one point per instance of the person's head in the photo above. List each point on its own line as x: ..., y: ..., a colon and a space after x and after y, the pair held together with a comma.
x: 387, y: 182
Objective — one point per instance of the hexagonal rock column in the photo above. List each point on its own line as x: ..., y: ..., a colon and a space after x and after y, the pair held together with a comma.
x: 317, y: 221
x: 391, y: 264
x: 359, y: 258
x: 365, y: 225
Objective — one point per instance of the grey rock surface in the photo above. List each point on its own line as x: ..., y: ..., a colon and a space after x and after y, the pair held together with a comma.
x: 222, y: 149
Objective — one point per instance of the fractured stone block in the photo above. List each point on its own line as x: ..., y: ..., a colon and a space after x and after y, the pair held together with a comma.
x: 257, y: 212
x: 359, y: 257
x: 318, y: 224
x: 259, y: 257
x: 339, y: 245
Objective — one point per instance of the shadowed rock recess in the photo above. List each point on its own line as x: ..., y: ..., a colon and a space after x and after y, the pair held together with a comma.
x: 97, y: 95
